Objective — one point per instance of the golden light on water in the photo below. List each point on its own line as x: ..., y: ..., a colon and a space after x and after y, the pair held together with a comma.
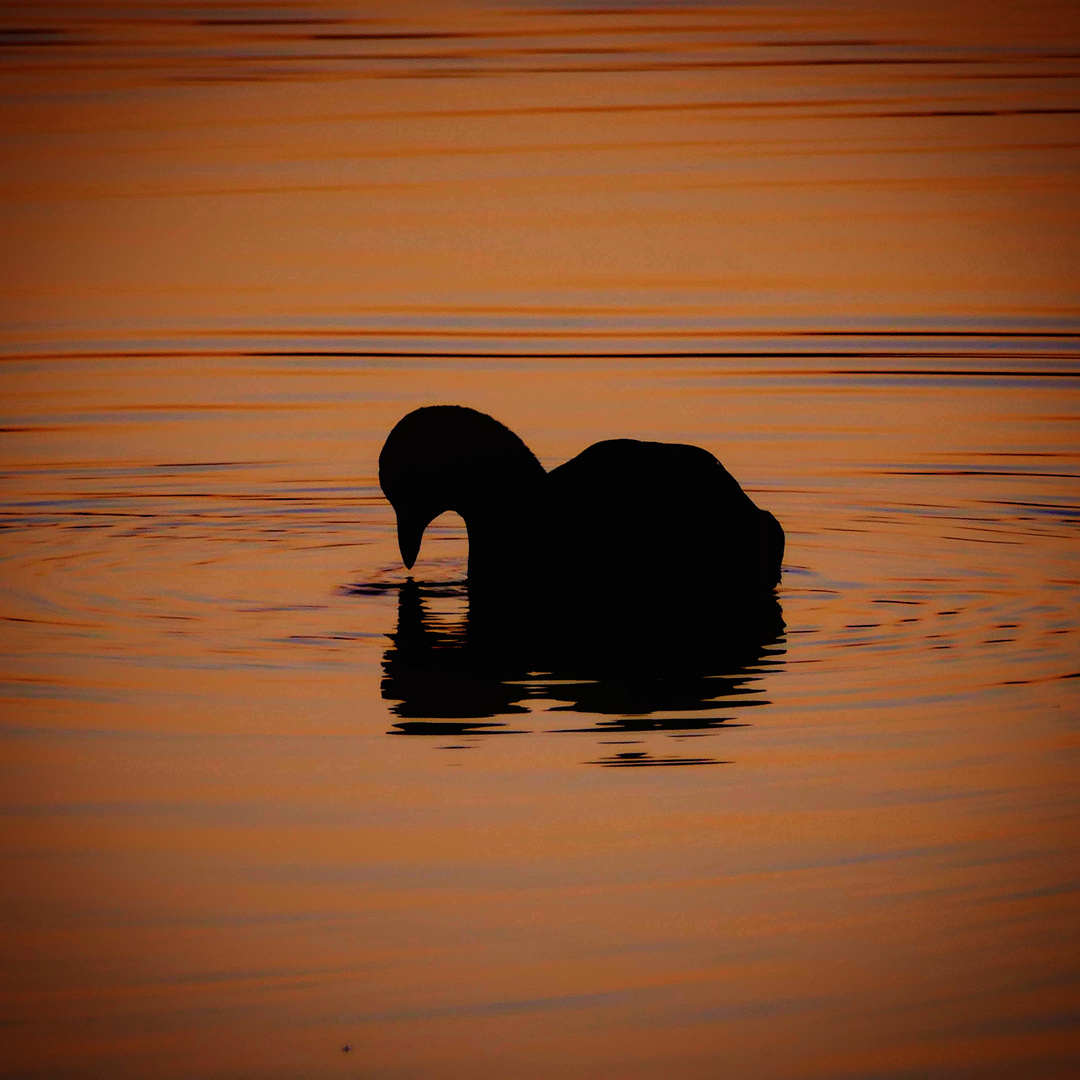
x: 834, y: 246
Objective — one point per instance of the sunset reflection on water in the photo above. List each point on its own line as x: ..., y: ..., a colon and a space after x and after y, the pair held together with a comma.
x: 262, y: 797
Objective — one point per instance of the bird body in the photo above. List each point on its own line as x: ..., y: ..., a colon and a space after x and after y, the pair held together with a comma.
x: 620, y: 513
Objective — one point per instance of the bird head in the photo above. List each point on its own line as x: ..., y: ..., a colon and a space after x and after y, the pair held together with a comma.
x: 447, y: 457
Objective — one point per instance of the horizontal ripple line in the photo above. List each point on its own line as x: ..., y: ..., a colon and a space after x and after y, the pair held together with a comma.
x: 372, y: 354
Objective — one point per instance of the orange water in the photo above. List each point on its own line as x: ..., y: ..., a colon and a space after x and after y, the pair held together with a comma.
x: 834, y: 245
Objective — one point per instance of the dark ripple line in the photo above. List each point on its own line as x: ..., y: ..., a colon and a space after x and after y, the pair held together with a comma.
x: 642, y: 760
x: 372, y: 354
x: 974, y: 472
x: 540, y: 110
x: 719, y: 333
x: 1052, y: 182
x: 949, y: 372
x: 613, y: 31
x: 122, y: 62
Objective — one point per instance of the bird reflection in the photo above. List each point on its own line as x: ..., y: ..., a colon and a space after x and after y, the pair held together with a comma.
x: 656, y: 667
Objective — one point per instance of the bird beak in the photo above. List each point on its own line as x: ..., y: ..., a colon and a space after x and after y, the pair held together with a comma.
x: 410, y: 531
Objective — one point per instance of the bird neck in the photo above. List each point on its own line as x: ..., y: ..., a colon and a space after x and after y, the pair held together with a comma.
x: 500, y: 528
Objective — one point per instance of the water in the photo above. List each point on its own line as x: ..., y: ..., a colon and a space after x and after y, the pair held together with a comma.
x: 836, y: 247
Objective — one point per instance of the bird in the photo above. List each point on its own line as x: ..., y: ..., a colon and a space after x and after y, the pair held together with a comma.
x: 623, y: 518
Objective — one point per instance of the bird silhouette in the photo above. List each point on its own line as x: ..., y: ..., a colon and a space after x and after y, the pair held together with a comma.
x: 624, y: 518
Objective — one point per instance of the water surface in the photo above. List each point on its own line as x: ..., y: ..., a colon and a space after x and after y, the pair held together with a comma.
x: 262, y: 802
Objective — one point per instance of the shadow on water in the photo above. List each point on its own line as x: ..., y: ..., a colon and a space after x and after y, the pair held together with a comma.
x: 462, y: 666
